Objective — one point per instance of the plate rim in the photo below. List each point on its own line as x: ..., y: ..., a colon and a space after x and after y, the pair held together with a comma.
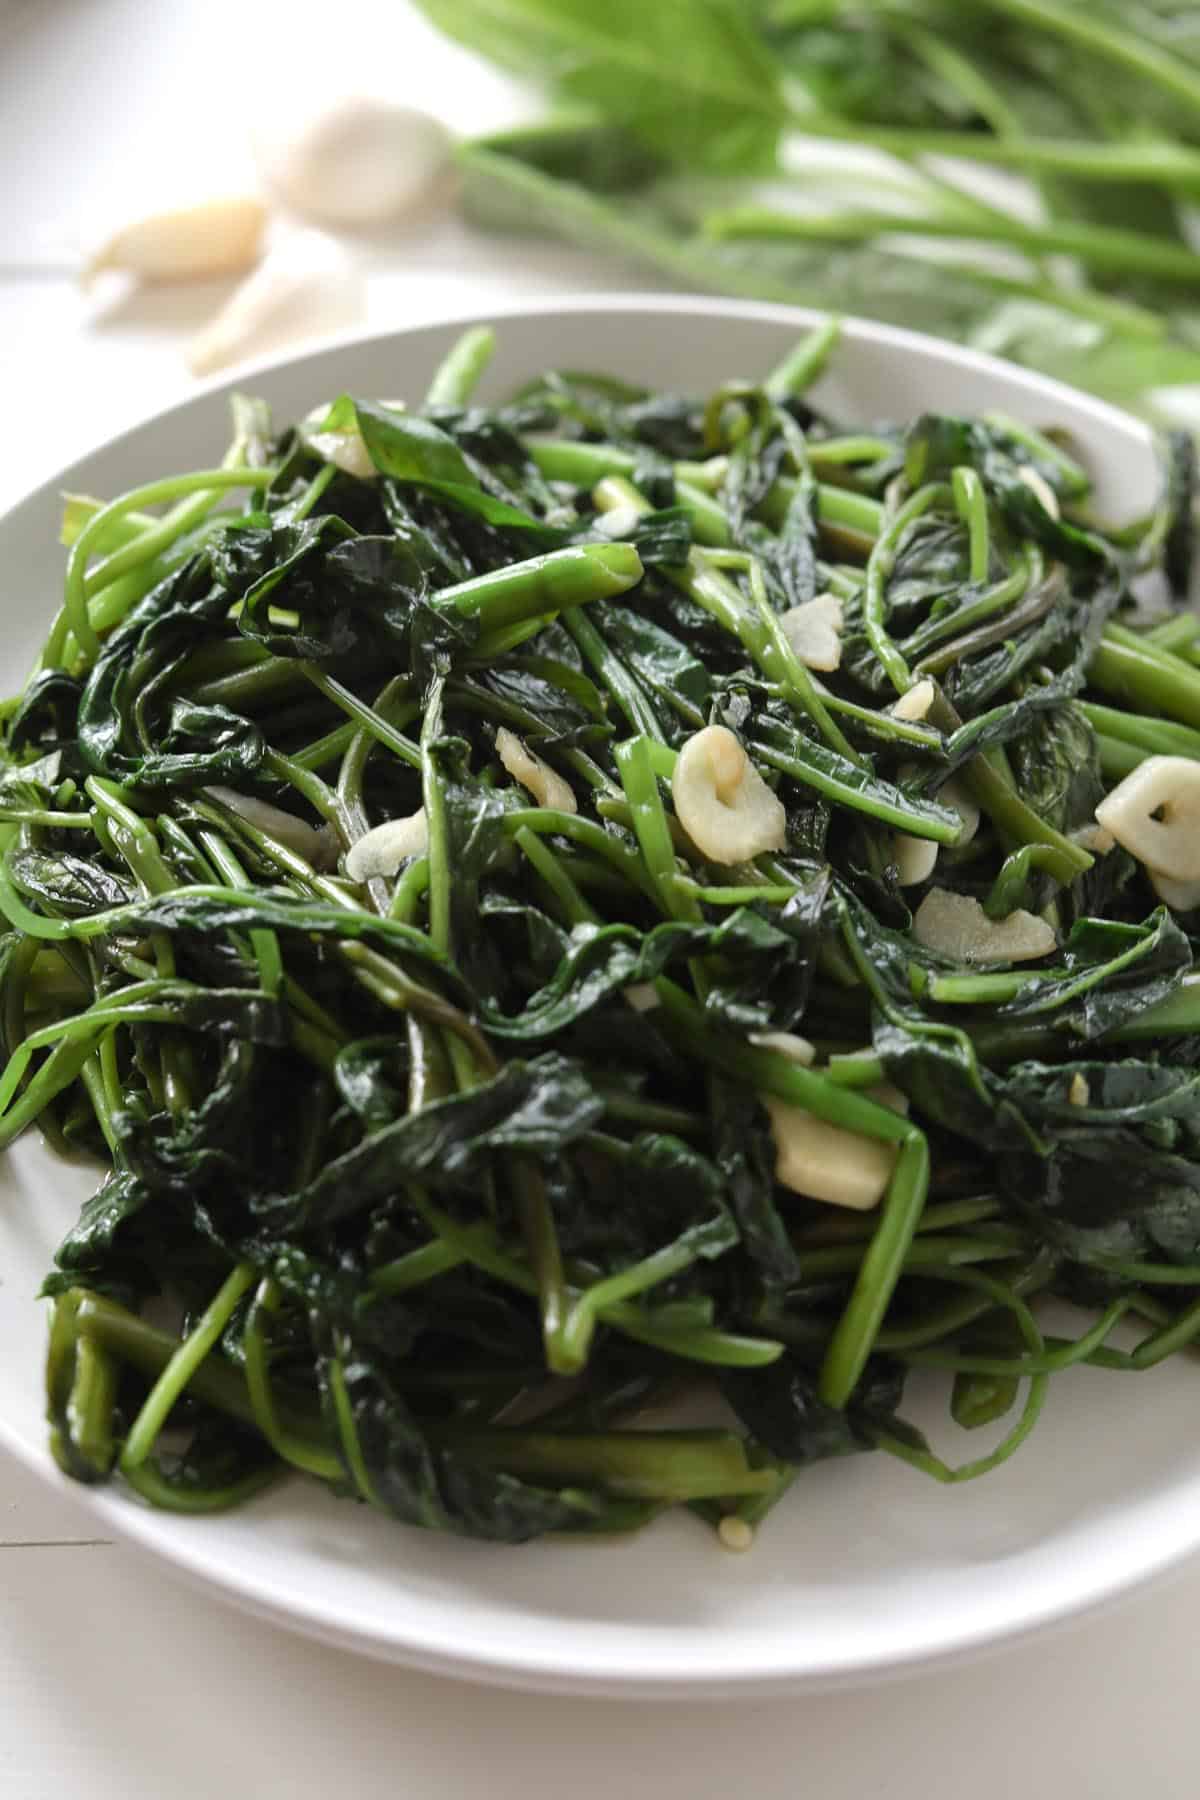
x: 1092, y: 1583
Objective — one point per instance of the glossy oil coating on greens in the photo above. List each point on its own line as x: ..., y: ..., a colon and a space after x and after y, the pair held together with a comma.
x: 445, y: 1187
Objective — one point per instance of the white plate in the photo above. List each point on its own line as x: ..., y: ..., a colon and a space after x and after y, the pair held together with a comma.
x: 867, y: 1567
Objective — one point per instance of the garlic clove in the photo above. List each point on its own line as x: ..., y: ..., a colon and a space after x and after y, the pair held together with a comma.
x: 954, y: 794
x: 914, y: 858
x: 316, y: 844
x: 357, y: 160
x: 642, y: 996
x: 544, y: 783
x: 956, y: 926
x: 621, y: 522
x: 1155, y: 815
x: 304, y: 287
x: 914, y: 705
x: 826, y: 1162
x: 814, y: 631
x: 722, y: 801
x: 213, y: 237
x: 345, y: 448
x: 384, y: 850
x: 797, y: 1049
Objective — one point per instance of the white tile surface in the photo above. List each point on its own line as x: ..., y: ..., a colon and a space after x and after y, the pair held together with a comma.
x: 115, y: 1681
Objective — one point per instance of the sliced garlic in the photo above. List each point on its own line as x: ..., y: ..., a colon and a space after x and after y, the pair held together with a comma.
x: 1155, y: 815
x: 358, y: 160
x: 736, y: 1534
x: 814, y: 631
x: 1079, y: 1093
x: 955, y: 925
x: 385, y: 849
x: 914, y: 858
x: 620, y: 522
x: 722, y: 801
x: 1180, y: 896
x: 914, y: 705
x: 306, y: 286
x: 642, y: 996
x: 826, y: 1162
x: 954, y: 794
x: 788, y: 1043
x: 317, y: 845
x: 1037, y: 484
x: 213, y: 237
x: 344, y: 448
x: 544, y: 783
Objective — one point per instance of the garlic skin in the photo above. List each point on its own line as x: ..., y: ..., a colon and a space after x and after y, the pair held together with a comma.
x: 357, y: 160
x: 722, y: 801
x: 213, y: 237
x: 814, y: 631
x: 537, y: 777
x: 956, y: 926
x: 385, y: 849
x: 1155, y: 815
x: 307, y: 285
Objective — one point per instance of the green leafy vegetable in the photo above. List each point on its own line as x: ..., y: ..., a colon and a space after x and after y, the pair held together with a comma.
x: 358, y: 922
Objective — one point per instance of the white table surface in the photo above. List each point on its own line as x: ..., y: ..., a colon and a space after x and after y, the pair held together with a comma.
x: 115, y: 1679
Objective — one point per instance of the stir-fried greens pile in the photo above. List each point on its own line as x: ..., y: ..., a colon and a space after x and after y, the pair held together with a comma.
x: 550, y: 908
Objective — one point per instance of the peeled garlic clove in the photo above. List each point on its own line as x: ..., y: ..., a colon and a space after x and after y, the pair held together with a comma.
x: 642, y: 997
x: 915, y: 704
x: 954, y: 794
x: 814, y: 631
x: 915, y: 858
x: 345, y: 448
x: 797, y: 1049
x: 213, y: 237
x: 621, y: 522
x: 722, y: 801
x: 317, y: 845
x: 955, y: 925
x: 1155, y: 815
x: 385, y: 849
x: 306, y: 286
x: 544, y: 783
x: 358, y: 160
x: 826, y: 1162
